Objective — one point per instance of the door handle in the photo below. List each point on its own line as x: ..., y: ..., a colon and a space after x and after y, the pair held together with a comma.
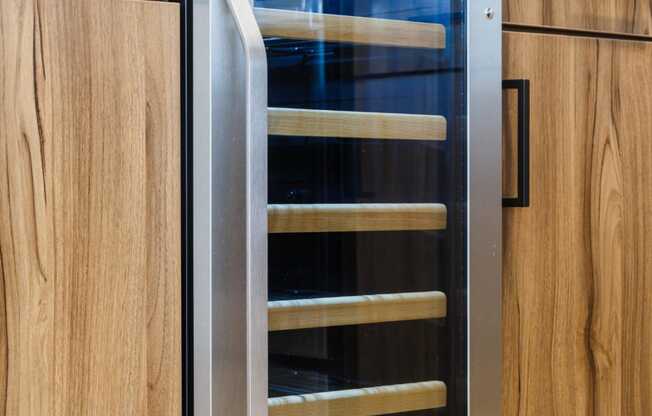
x: 229, y: 210
x: 255, y: 270
x: 522, y: 86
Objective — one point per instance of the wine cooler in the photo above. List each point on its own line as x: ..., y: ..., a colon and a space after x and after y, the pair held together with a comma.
x: 346, y: 207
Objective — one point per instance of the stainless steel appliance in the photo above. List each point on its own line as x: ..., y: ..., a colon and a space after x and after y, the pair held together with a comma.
x: 347, y: 207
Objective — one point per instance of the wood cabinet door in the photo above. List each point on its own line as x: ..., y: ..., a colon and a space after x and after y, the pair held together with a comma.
x: 578, y: 262
x: 89, y: 208
x: 622, y: 16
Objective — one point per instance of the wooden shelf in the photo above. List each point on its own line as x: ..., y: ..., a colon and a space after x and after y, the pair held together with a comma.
x: 292, y: 24
x: 353, y: 124
x: 323, y: 218
x: 355, y: 310
x: 381, y: 400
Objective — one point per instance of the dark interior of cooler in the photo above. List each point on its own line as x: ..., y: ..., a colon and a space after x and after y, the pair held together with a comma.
x: 310, y: 170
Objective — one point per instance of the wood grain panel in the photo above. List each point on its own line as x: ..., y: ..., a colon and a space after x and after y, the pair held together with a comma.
x: 355, y: 124
x: 577, y: 265
x: 370, y: 401
x: 630, y: 146
x: 89, y: 207
x: 324, y: 218
x: 355, y: 310
x: 619, y: 16
x: 161, y: 27
x: 292, y: 24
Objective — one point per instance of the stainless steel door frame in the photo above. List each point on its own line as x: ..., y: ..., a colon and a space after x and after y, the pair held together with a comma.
x: 484, y: 61
x: 229, y: 210
x: 230, y: 217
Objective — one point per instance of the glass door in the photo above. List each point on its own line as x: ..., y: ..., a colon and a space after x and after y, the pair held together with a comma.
x: 367, y: 160
x: 350, y: 191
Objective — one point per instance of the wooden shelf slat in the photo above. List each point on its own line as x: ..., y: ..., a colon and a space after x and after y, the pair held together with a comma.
x: 355, y: 310
x: 370, y: 401
x: 292, y: 24
x: 355, y: 124
x: 323, y: 218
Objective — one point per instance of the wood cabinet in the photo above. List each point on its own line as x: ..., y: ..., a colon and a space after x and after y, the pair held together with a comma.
x: 89, y: 208
x: 621, y: 16
x: 578, y: 262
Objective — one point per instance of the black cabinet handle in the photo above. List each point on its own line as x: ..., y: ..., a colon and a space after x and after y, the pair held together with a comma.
x: 522, y: 86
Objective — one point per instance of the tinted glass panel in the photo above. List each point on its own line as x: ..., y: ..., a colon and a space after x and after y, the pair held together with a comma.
x: 367, y: 195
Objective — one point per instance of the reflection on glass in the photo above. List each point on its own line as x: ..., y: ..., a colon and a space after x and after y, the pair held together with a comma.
x: 367, y: 197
